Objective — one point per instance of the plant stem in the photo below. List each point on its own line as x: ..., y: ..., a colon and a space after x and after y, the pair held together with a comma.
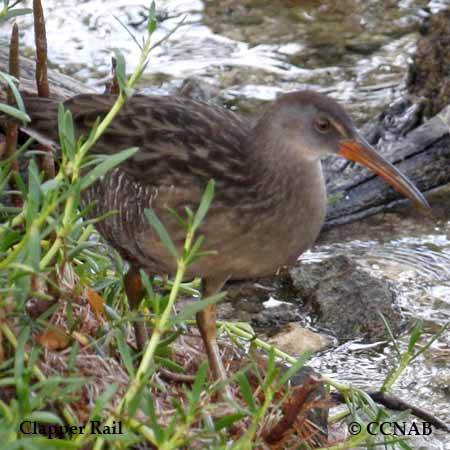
x: 140, y: 378
x: 239, y: 331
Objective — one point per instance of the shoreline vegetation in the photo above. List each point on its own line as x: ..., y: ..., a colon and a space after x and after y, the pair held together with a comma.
x: 67, y: 357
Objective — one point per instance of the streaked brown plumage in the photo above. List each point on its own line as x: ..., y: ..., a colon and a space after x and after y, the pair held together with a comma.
x: 270, y: 197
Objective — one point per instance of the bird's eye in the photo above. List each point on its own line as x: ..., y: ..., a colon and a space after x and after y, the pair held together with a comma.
x: 323, y: 125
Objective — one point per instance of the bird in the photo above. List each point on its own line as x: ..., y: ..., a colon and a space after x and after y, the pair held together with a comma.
x: 270, y: 195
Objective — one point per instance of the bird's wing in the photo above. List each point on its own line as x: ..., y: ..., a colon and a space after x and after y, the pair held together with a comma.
x: 182, y: 145
x: 181, y: 141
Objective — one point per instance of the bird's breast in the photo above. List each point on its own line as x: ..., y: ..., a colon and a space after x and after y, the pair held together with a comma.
x: 254, y: 242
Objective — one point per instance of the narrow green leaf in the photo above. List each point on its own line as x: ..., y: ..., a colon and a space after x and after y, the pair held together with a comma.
x: 191, y: 310
x: 102, y: 400
x: 19, y: 358
x: 150, y: 410
x: 415, y: 335
x: 205, y: 203
x: 135, y: 402
x: 199, y: 384
x: 147, y: 283
x: 130, y: 33
x: 74, y: 252
x: 193, y: 253
x: 50, y: 185
x: 92, y: 133
x: 271, y: 371
x: 294, y: 368
x: 44, y: 416
x: 246, y: 391
x: 105, y: 282
x: 11, y: 82
x: 20, y: 184
x: 61, y: 121
x: 125, y: 353
x: 23, y: 286
x: 403, y: 445
x: 34, y: 248
x: 106, y: 165
x: 391, y: 335
x: 169, y: 364
x: 14, y: 13
x: 199, y: 255
x: 177, y: 218
x: 120, y: 70
x: 161, y: 232
x: 67, y: 135
x: 9, y: 238
x: 73, y: 357
x: 40, y: 443
x: 14, y: 112
x: 151, y: 24
x: 368, y: 400
x: 227, y: 421
x: 34, y: 191
x: 169, y: 338
x: 9, y: 381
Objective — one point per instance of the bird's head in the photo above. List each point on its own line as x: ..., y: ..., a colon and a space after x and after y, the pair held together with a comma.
x: 317, y: 126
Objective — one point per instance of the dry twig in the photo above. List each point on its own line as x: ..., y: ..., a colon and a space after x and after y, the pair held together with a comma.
x: 12, y: 129
x: 43, y: 89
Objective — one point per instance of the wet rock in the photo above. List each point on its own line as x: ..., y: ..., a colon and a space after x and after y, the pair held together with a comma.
x: 245, y: 302
x: 296, y: 340
x: 347, y: 298
x: 429, y: 74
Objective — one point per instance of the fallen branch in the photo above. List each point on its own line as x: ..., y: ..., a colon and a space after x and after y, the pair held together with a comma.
x: 397, y: 404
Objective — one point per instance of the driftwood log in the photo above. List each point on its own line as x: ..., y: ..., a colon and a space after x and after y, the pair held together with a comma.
x: 423, y: 155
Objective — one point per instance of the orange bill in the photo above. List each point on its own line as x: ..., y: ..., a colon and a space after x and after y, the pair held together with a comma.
x: 362, y: 152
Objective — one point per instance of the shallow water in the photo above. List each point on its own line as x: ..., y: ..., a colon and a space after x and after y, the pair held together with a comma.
x: 355, y: 50
x: 251, y: 49
x: 414, y: 253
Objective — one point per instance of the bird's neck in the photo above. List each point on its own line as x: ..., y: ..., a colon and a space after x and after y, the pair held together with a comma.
x: 280, y: 168
x: 291, y: 191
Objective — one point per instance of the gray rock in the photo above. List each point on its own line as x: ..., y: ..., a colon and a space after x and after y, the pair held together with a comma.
x: 295, y: 340
x: 347, y: 298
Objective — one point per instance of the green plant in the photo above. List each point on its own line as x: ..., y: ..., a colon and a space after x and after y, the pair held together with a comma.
x: 9, y: 10
x: 49, y: 235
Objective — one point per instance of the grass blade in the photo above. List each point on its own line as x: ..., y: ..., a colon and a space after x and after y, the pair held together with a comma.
x: 161, y: 232
x: 106, y: 165
x: 191, y: 310
x: 14, y: 112
x: 205, y: 203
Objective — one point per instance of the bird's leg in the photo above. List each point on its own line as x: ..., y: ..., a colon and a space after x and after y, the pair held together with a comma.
x: 206, y: 321
x: 135, y: 292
